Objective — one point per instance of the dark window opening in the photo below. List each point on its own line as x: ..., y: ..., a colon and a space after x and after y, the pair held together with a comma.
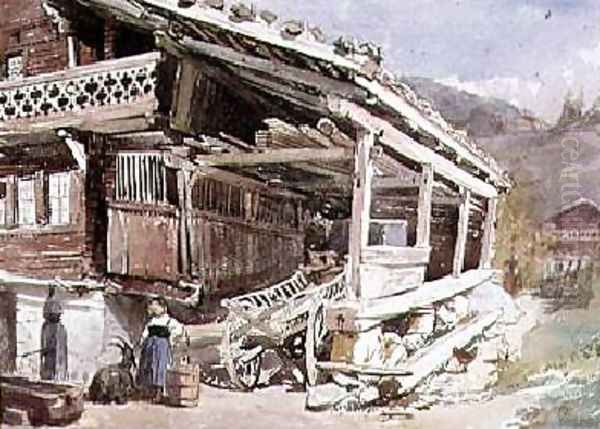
x: 90, y: 42
x: 129, y: 42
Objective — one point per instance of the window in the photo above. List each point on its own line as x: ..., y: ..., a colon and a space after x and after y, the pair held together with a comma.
x: 388, y: 233
x: 144, y: 178
x: 14, y: 67
x: 26, y: 201
x: 58, y: 198
x: 2, y: 202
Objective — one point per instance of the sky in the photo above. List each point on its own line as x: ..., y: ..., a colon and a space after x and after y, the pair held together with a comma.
x: 528, y: 52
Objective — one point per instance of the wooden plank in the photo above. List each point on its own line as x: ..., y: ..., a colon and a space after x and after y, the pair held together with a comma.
x: 278, y: 156
x: 489, y: 235
x: 361, y: 369
x: 409, y: 148
x: 433, y: 358
x: 182, y: 186
x: 461, y: 235
x: 390, y: 256
x: 438, y: 290
x: 379, y: 281
x: 361, y: 205
x: 264, y: 66
x: 189, y: 74
x: 414, y: 116
x: 424, y: 207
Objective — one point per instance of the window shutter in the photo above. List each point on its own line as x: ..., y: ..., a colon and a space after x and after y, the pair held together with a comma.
x: 26, y: 202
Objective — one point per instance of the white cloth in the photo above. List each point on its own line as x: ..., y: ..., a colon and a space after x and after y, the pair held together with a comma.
x: 176, y: 329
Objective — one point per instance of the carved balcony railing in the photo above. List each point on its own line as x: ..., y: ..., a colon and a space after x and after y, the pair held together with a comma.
x: 107, y: 83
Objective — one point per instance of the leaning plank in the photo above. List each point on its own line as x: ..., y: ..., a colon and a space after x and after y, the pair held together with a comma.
x: 274, y: 156
x: 434, y: 357
x: 361, y: 369
x: 439, y: 290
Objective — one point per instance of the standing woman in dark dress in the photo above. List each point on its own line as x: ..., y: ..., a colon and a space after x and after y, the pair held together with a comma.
x: 157, y: 343
x: 54, y: 359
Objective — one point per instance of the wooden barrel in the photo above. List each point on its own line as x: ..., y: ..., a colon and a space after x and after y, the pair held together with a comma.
x: 183, y: 385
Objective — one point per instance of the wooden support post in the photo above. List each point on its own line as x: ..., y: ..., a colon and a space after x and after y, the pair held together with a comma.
x: 361, y: 205
x: 40, y: 194
x: 11, y: 200
x: 462, y: 231
x: 183, y: 180
x: 489, y: 235
x: 424, y: 209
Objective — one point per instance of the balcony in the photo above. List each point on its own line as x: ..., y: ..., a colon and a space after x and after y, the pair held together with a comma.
x: 120, y: 88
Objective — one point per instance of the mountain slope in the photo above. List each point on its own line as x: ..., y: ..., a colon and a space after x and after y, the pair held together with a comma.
x: 480, y: 116
x: 558, y: 164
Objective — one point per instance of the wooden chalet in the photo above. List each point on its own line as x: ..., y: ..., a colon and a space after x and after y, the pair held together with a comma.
x: 194, y: 159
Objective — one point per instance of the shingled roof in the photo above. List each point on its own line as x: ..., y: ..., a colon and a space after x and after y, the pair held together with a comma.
x: 296, y: 44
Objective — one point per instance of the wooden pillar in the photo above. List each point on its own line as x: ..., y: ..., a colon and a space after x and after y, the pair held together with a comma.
x: 183, y: 181
x: 489, y: 235
x: 11, y: 200
x: 71, y: 52
x: 424, y: 209
x: 462, y: 231
x: 361, y: 205
x: 40, y: 192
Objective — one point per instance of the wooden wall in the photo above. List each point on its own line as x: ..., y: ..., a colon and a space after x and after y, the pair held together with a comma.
x: 236, y: 238
x: 474, y: 240
x: 242, y: 239
x: 8, y: 332
x: 143, y: 241
x: 48, y: 251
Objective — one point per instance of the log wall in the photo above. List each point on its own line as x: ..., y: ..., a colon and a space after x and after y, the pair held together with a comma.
x: 8, y: 332
x: 47, y: 251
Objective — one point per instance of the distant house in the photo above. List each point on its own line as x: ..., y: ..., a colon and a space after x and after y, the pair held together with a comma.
x: 576, y: 229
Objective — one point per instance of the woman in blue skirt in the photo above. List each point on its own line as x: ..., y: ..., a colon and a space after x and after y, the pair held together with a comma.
x: 157, y: 341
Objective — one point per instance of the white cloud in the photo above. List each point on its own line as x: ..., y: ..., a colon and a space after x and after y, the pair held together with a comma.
x: 514, y: 90
x: 590, y: 56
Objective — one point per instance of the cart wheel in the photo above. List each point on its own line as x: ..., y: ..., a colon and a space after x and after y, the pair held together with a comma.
x: 243, y: 375
x: 296, y: 346
x: 248, y: 373
x: 315, y: 333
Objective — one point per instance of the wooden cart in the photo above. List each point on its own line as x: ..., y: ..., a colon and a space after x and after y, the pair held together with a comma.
x: 286, y: 316
x: 24, y: 401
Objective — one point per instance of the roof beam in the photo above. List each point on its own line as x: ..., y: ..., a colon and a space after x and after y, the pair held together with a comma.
x: 279, y: 156
x: 409, y: 148
x: 414, y: 116
x: 269, y: 67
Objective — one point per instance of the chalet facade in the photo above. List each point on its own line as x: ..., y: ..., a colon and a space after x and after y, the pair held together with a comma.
x: 575, y: 230
x: 190, y: 162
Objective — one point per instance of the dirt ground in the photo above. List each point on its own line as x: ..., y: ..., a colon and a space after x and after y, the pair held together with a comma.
x: 275, y: 408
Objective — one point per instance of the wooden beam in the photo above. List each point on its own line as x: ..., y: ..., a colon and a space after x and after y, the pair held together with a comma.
x: 489, y: 235
x: 424, y: 208
x: 409, y: 148
x: 184, y: 188
x: 279, y: 156
x: 361, y: 205
x: 462, y: 232
x: 232, y: 178
x: 431, y: 292
x: 264, y: 66
x: 425, y: 125
x: 432, y: 358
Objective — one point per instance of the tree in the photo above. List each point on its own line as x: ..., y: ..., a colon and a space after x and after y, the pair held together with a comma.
x: 521, y: 247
